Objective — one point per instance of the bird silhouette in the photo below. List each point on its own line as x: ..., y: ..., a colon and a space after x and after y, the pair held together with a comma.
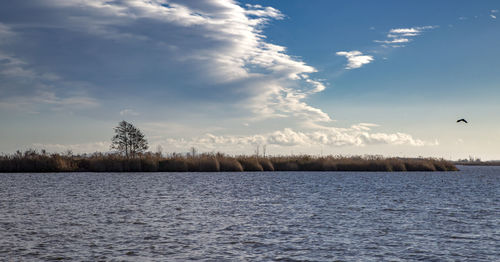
x: 462, y: 120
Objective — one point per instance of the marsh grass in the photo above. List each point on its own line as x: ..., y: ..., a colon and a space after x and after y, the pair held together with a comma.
x: 33, y: 161
x: 477, y: 162
x: 229, y: 164
x: 250, y: 163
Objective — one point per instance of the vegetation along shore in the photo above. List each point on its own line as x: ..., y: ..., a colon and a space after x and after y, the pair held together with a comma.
x: 33, y: 161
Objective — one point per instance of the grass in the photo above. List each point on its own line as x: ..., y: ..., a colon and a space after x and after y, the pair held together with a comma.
x: 33, y: 161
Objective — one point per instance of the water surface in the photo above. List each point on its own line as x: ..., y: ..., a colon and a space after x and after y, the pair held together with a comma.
x: 284, y: 216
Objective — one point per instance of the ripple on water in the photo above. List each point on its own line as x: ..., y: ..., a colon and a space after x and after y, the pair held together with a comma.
x: 286, y: 216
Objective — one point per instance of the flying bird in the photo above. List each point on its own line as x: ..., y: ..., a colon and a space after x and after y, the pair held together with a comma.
x: 462, y: 120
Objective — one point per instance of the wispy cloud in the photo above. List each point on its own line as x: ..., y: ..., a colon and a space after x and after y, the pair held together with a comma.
x: 355, y: 59
x: 33, y: 104
x: 6, y: 33
x: 493, y: 13
x: 394, y: 41
x: 128, y: 112
x: 31, y: 90
x: 260, y: 11
x: 398, y: 36
x: 80, y: 148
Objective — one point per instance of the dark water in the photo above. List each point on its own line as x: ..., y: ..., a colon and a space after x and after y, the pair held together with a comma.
x: 310, y: 216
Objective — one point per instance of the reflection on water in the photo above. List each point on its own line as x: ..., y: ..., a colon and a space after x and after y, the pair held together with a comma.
x: 304, y: 216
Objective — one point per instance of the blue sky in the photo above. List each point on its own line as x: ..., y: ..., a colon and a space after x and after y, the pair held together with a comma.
x: 331, y: 77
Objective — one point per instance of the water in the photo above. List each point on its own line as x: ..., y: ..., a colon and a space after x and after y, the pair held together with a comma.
x: 289, y: 216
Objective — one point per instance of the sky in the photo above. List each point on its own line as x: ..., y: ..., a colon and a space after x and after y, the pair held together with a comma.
x: 294, y: 77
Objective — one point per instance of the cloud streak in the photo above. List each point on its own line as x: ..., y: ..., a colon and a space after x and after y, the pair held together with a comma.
x: 27, y: 89
x: 80, y: 148
x: 398, y: 36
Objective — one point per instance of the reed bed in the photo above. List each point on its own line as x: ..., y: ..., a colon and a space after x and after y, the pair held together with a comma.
x: 33, y: 161
x: 477, y: 163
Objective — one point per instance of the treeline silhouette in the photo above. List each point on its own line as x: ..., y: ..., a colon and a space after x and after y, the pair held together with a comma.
x: 33, y: 161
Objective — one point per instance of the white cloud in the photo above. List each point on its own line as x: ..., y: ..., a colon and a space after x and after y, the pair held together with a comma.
x: 493, y: 13
x: 357, y: 135
x: 355, y: 59
x: 397, y: 36
x: 259, y: 11
x: 222, y: 40
x: 318, y: 86
x: 405, y: 31
x: 413, y: 30
x: 394, y: 41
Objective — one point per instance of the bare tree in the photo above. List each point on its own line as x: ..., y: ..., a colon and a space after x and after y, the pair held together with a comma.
x: 159, y: 150
x: 128, y: 140
x: 193, y: 151
x: 257, y: 149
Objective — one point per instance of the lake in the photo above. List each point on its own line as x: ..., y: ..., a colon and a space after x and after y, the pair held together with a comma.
x: 272, y: 216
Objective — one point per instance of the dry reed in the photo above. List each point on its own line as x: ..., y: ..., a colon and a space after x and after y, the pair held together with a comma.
x: 33, y: 161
